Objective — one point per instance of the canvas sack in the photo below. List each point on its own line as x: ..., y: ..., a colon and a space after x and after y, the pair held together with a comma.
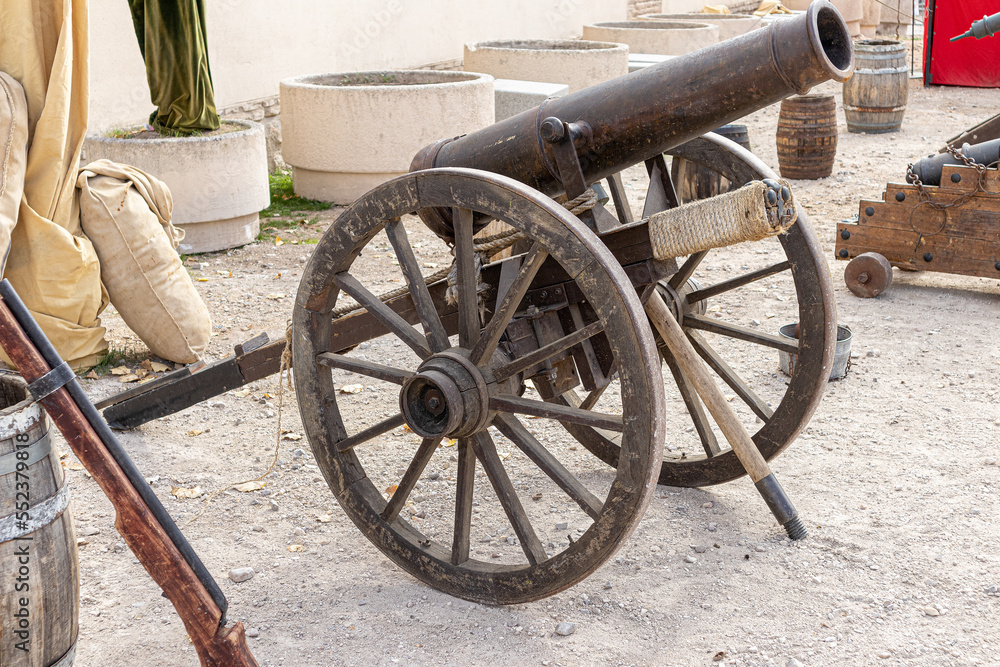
x: 126, y: 214
x: 13, y: 156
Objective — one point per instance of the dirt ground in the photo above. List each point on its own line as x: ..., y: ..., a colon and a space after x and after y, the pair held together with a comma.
x: 896, y: 477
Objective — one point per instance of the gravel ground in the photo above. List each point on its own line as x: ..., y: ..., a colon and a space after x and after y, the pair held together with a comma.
x: 895, y: 476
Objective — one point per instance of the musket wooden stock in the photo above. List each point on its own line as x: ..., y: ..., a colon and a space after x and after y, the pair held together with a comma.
x: 216, y: 645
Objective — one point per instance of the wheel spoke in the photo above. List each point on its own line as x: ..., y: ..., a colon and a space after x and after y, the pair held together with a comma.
x: 512, y: 427
x: 467, y: 281
x: 694, y: 405
x: 594, y: 396
x: 410, y: 477
x: 508, y: 306
x: 363, y: 367
x: 730, y: 377
x: 487, y: 453
x: 738, y: 281
x: 547, y: 351
x: 463, y: 502
x: 741, y: 333
x: 383, y: 313
x: 422, y: 300
x: 378, y: 429
x: 687, y: 269
x: 562, y: 413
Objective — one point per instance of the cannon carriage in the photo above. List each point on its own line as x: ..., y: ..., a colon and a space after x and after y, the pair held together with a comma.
x: 580, y: 333
x: 561, y: 357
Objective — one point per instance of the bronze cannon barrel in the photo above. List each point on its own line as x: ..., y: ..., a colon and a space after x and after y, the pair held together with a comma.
x: 636, y: 116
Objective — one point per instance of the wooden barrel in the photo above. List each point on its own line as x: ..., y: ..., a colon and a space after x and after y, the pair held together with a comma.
x: 693, y: 181
x: 39, y: 574
x: 807, y: 136
x: 875, y: 96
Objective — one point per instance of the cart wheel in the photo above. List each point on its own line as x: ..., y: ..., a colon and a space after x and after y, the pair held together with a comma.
x: 737, y: 338
x: 867, y: 275
x: 402, y: 447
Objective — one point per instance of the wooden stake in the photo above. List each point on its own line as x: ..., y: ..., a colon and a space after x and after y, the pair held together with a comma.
x: 693, y: 368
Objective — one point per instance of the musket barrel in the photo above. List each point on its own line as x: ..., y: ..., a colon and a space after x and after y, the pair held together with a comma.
x: 636, y: 116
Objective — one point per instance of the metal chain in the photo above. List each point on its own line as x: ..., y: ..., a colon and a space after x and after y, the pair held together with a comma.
x: 925, y: 197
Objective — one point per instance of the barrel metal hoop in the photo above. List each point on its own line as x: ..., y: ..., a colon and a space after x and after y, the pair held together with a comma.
x: 41, y: 515
x: 883, y: 71
x: 67, y: 659
x: 51, y: 381
x: 848, y: 107
x: 36, y: 451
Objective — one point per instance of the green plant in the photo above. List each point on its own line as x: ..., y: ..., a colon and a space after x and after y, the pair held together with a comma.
x: 368, y: 79
x: 284, y: 201
x: 119, y: 356
x: 133, y: 132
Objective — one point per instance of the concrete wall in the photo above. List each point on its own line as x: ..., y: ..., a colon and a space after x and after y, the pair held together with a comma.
x: 253, y: 44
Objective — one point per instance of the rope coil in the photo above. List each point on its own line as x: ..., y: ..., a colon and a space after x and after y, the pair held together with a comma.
x: 747, y: 214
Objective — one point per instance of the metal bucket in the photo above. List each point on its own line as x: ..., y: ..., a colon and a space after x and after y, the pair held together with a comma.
x: 841, y: 357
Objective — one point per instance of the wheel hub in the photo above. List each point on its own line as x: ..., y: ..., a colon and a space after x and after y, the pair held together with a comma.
x: 677, y: 301
x: 447, y: 396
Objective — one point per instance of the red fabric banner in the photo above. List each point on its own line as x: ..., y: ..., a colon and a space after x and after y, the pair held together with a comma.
x: 967, y: 62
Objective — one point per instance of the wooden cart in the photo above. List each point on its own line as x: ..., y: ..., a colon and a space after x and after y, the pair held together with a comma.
x: 950, y: 228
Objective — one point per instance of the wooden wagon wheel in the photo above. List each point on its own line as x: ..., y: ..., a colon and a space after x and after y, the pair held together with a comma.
x: 703, y: 457
x: 448, y: 389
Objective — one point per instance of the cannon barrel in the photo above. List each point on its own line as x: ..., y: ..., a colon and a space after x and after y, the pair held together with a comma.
x: 636, y: 116
x: 929, y: 169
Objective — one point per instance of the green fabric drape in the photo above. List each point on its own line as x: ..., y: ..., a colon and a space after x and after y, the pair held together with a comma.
x: 174, y: 46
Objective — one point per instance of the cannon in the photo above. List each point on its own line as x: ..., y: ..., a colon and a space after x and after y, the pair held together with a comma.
x: 938, y: 221
x: 466, y: 454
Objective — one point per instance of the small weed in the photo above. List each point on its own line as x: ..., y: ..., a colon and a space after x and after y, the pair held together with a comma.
x: 284, y: 201
x: 119, y: 356
x: 286, y: 209
x: 368, y: 79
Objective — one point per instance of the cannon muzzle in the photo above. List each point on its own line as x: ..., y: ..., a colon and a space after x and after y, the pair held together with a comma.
x: 634, y: 117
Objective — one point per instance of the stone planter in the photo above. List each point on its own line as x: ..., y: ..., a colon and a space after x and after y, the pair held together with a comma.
x: 347, y: 132
x: 730, y: 25
x: 870, y: 17
x: 851, y: 10
x: 218, y: 181
x: 671, y: 38
x: 576, y: 63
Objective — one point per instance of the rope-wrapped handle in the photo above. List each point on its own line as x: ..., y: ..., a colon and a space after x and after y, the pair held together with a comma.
x: 756, y: 211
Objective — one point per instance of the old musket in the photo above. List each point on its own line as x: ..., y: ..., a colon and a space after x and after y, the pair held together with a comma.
x: 140, y: 517
x: 620, y: 123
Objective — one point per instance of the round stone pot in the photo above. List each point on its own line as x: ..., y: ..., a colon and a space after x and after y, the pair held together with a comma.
x: 730, y: 25
x: 851, y: 10
x: 576, y: 63
x: 670, y: 38
x: 345, y: 133
x: 218, y: 181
